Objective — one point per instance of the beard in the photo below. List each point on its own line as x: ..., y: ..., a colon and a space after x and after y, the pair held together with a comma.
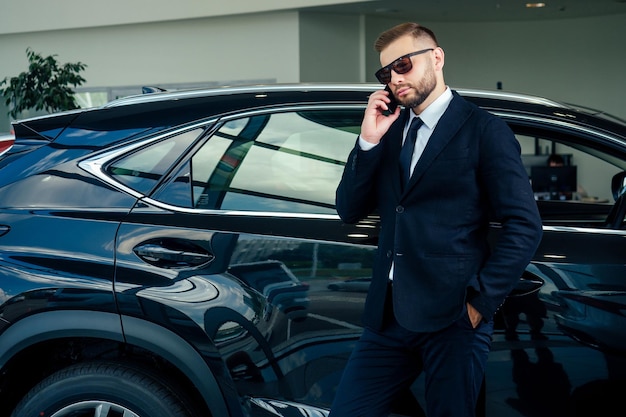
x: 421, y: 91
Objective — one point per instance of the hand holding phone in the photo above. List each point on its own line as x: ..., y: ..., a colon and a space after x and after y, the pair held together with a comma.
x: 393, y: 104
x: 379, y: 116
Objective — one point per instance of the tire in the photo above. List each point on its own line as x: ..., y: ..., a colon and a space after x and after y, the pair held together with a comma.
x: 104, y: 389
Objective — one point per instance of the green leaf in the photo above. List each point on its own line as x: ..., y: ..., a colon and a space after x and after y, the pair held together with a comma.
x: 45, y: 86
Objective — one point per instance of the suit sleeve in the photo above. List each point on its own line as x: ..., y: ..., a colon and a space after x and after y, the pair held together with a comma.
x: 355, y: 196
x: 512, y: 203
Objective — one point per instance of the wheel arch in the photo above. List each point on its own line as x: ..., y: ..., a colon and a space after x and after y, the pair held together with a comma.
x: 47, y: 327
x: 51, y: 325
x: 182, y: 355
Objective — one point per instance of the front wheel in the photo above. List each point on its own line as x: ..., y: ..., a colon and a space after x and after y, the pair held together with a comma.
x: 101, y: 389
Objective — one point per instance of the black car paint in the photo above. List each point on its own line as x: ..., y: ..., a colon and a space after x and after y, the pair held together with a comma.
x: 83, y: 260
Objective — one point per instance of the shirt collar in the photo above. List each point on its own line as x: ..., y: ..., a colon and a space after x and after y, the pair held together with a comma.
x: 431, y: 114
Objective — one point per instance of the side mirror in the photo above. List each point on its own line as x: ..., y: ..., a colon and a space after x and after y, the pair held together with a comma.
x: 618, y: 185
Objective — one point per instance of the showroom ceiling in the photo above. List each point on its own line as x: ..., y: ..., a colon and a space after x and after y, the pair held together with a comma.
x: 479, y: 10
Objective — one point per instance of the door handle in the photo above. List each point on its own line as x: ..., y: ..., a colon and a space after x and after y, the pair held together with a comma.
x: 173, y: 254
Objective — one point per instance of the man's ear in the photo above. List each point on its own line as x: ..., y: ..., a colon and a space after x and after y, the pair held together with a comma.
x: 439, y: 58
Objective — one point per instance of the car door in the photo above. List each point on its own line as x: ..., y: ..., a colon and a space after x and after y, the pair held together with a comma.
x: 239, y: 251
x: 239, y: 246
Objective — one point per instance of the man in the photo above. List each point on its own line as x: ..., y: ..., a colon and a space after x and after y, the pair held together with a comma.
x: 437, y: 282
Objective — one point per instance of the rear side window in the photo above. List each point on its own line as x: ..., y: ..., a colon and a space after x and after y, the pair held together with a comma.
x: 144, y: 168
x: 284, y: 162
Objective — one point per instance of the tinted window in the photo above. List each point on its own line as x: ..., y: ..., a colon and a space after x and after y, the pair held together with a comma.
x: 284, y: 162
x: 143, y: 169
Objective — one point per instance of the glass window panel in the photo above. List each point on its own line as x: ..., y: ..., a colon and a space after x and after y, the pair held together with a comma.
x: 594, y: 168
x: 284, y: 162
x: 205, y: 164
x: 314, y: 133
x: 287, y: 176
x: 143, y: 169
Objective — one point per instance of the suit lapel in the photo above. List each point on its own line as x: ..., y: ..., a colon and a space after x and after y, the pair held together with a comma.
x: 451, y: 121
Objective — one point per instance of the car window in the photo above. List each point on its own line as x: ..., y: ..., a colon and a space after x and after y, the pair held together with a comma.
x: 282, y: 162
x: 144, y: 168
x: 291, y: 162
x: 577, y: 192
x: 592, y: 169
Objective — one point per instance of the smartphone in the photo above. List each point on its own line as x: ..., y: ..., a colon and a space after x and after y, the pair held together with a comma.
x: 393, y: 105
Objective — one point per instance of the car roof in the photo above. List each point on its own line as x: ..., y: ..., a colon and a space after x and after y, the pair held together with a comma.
x: 488, y: 99
x: 182, y: 106
x: 159, y: 95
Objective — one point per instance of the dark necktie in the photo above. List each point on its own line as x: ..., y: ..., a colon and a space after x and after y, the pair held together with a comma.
x: 406, y: 154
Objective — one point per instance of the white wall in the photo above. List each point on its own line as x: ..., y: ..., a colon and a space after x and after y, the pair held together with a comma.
x: 19, y: 16
x: 206, y: 51
x: 186, y: 51
x: 331, y: 48
x: 579, y: 60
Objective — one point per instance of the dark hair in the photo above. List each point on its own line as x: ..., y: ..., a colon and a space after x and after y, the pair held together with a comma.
x: 409, y: 28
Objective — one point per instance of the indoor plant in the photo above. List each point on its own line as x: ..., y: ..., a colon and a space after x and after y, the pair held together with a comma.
x: 45, y: 86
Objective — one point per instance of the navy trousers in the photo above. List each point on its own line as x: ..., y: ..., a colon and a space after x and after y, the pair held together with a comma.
x: 384, y: 364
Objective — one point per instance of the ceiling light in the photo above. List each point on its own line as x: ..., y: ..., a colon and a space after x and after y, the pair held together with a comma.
x: 535, y: 5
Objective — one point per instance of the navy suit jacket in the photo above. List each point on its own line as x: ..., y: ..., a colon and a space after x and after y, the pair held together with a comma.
x: 435, y: 231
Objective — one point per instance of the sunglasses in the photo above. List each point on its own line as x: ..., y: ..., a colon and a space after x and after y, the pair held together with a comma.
x: 401, y: 65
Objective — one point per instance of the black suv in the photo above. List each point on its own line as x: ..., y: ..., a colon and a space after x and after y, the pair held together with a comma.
x: 178, y: 254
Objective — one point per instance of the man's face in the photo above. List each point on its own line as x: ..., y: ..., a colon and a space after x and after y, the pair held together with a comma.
x: 415, y: 86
